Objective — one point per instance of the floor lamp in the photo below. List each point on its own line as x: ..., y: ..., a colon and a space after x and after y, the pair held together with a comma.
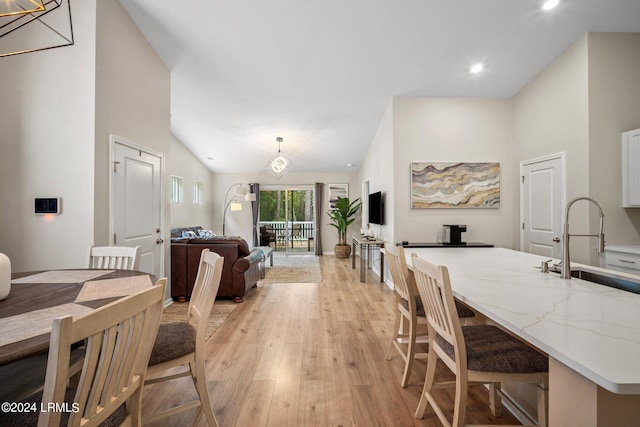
x: 234, y: 202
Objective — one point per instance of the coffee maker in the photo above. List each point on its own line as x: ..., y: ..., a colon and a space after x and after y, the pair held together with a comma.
x: 453, y: 234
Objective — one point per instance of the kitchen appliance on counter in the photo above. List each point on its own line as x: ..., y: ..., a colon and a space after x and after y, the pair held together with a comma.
x: 452, y: 234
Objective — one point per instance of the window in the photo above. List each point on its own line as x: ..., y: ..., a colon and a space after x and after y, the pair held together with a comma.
x: 197, y: 193
x: 176, y: 190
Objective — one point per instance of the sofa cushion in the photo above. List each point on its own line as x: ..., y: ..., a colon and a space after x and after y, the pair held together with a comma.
x: 243, y: 247
x: 177, y: 232
x: 206, y: 233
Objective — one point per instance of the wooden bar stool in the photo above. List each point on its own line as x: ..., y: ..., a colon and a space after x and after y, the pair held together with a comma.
x: 482, y: 354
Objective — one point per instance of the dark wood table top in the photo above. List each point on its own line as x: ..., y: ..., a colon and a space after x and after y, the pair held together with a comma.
x: 27, y: 297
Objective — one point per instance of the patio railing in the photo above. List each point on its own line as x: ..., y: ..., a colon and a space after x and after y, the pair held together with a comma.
x: 294, y: 230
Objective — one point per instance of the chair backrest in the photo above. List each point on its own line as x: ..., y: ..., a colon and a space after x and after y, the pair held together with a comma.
x: 114, y: 257
x: 118, y: 339
x: 403, y: 281
x: 204, y: 292
x: 434, y: 287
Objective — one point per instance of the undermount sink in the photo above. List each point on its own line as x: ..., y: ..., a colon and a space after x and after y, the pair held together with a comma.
x: 611, y: 281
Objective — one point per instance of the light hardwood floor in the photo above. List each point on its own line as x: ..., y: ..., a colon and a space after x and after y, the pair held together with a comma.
x: 312, y: 354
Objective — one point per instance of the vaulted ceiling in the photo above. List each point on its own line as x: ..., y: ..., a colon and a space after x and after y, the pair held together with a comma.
x: 320, y: 74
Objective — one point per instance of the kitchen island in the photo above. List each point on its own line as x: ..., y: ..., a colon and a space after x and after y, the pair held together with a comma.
x: 591, y: 332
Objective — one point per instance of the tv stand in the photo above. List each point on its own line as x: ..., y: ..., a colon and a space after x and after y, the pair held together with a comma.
x: 445, y: 245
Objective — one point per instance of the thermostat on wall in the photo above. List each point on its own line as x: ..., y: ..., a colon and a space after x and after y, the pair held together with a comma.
x: 48, y: 205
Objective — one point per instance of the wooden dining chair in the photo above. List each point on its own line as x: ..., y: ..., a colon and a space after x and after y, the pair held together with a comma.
x: 182, y: 343
x: 118, y: 341
x: 114, y: 257
x: 476, y: 354
x: 410, y: 312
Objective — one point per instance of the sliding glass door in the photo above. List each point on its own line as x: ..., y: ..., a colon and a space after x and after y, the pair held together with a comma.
x: 287, y: 216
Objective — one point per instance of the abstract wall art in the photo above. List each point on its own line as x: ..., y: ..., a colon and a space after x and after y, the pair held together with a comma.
x: 455, y: 185
x: 335, y: 191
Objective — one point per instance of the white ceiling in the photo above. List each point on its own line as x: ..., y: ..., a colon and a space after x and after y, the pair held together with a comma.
x: 321, y: 73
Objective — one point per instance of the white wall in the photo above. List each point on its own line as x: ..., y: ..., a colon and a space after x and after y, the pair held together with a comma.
x: 454, y: 130
x: 378, y: 168
x: 552, y: 116
x: 240, y: 223
x: 47, y: 149
x: 184, y: 164
x: 421, y: 129
x: 614, y: 107
x: 580, y: 105
x: 132, y: 102
x: 60, y: 107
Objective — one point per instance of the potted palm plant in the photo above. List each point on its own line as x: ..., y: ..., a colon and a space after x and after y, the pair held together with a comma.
x: 342, y: 216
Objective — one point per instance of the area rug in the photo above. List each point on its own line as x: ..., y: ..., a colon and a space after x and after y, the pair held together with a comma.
x: 293, y: 269
x: 222, y: 309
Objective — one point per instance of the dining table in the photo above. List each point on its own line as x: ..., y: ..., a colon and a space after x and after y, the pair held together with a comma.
x: 36, y: 298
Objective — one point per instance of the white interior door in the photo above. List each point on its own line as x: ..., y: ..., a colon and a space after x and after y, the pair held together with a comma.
x: 137, y: 204
x: 542, y: 200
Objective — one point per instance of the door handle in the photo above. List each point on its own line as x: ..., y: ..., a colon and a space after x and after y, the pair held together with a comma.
x: 556, y: 239
x: 159, y: 241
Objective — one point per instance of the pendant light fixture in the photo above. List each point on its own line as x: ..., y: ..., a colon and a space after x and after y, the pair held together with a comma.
x: 20, y: 7
x: 279, y: 165
x: 34, y: 25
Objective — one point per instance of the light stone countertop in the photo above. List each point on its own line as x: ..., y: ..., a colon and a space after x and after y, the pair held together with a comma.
x: 591, y: 328
x: 630, y: 249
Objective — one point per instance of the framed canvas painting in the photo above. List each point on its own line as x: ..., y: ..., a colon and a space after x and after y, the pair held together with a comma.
x: 335, y: 191
x: 455, y: 185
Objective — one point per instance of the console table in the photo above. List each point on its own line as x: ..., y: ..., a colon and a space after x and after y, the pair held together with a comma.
x: 445, y: 245
x: 365, y: 246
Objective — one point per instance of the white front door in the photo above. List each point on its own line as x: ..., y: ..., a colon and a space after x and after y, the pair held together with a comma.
x: 542, y: 199
x: 137, y: 204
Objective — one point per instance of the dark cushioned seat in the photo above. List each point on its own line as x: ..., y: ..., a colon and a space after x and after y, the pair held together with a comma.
x: 174, y: 340
x: 489, y: 349
x: 31, y: 418
x: 463, y: 310
x: 419, y: 307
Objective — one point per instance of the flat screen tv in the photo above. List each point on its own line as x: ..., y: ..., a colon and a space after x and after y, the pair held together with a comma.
x: 376, y: 208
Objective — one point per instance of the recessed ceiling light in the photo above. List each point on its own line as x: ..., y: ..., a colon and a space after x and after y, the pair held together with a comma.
x: 349, y: 165
x: 475, y: 69
x: 550, y: 4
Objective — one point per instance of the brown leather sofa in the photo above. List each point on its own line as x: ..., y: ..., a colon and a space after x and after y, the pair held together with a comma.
x: 240, y: 272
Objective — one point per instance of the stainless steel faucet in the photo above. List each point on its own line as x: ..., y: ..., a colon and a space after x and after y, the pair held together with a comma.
x: 566, y: 261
